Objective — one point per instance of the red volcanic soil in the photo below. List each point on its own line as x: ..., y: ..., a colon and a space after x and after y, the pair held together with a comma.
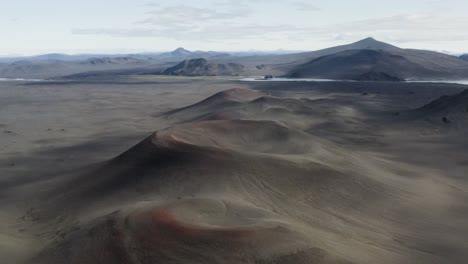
x: 164, y: 224
x: 159, y: 235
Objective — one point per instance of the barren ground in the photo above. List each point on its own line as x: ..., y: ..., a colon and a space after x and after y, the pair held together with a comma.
x: 286, y: 173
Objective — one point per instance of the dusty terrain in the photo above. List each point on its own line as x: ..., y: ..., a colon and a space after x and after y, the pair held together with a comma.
x: 209, y: 170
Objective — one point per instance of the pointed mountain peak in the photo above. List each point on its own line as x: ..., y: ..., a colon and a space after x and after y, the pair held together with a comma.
x: 368, y: 40
x: 372, y: 43
x: 180, y: 51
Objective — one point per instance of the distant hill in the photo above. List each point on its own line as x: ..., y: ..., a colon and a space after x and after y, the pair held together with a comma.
x: 302, y: 57
x: 26, y: 69
x: 442, y: 65
x: 57, y: 65
x: 201, y: 67
x: 117, y: 60
x: 60, y: 65
x: 52, y: 56
x: 368, y: 44
x: 177, y: 54
x: 375, y: 65
x: 57, y: 68
x: 56, y: 57
x: 464, y: 57
x: 390, y: 64
x: 451, y: 111
x: 183, y: 54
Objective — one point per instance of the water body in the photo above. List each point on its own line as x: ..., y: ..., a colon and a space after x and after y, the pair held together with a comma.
x: 19, y: 80
x: 465, y: 82
x: 261, y: 79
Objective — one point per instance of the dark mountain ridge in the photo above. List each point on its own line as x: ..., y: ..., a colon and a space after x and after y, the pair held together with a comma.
x: 110, y: 60
x: 302, y: 57
x: 201, y: 67
x: 431, y: 64
x: 362, y: 64
x: 388, y: 64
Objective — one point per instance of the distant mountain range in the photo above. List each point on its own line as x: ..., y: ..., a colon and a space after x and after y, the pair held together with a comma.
x: 464, y: 57
x: 67, y: 58
x: 58, y: 68
x: 367, y: 59
x: 179, y: 53
x: 59, y: 65
x: 113, y: 60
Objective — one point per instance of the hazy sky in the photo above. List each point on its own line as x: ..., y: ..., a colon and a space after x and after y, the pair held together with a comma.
x: 71, y: 26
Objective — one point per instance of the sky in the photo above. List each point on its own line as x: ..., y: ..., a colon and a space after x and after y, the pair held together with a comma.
x: 30, y: 27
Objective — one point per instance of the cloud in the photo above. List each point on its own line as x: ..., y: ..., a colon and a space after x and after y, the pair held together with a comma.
x: 223, y: 21
x: 403, y: 28
x: 189, y: 15
x: 213, y: 33
x: 114, y: 32
x: 306, y: 6
x: 234, y: 21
